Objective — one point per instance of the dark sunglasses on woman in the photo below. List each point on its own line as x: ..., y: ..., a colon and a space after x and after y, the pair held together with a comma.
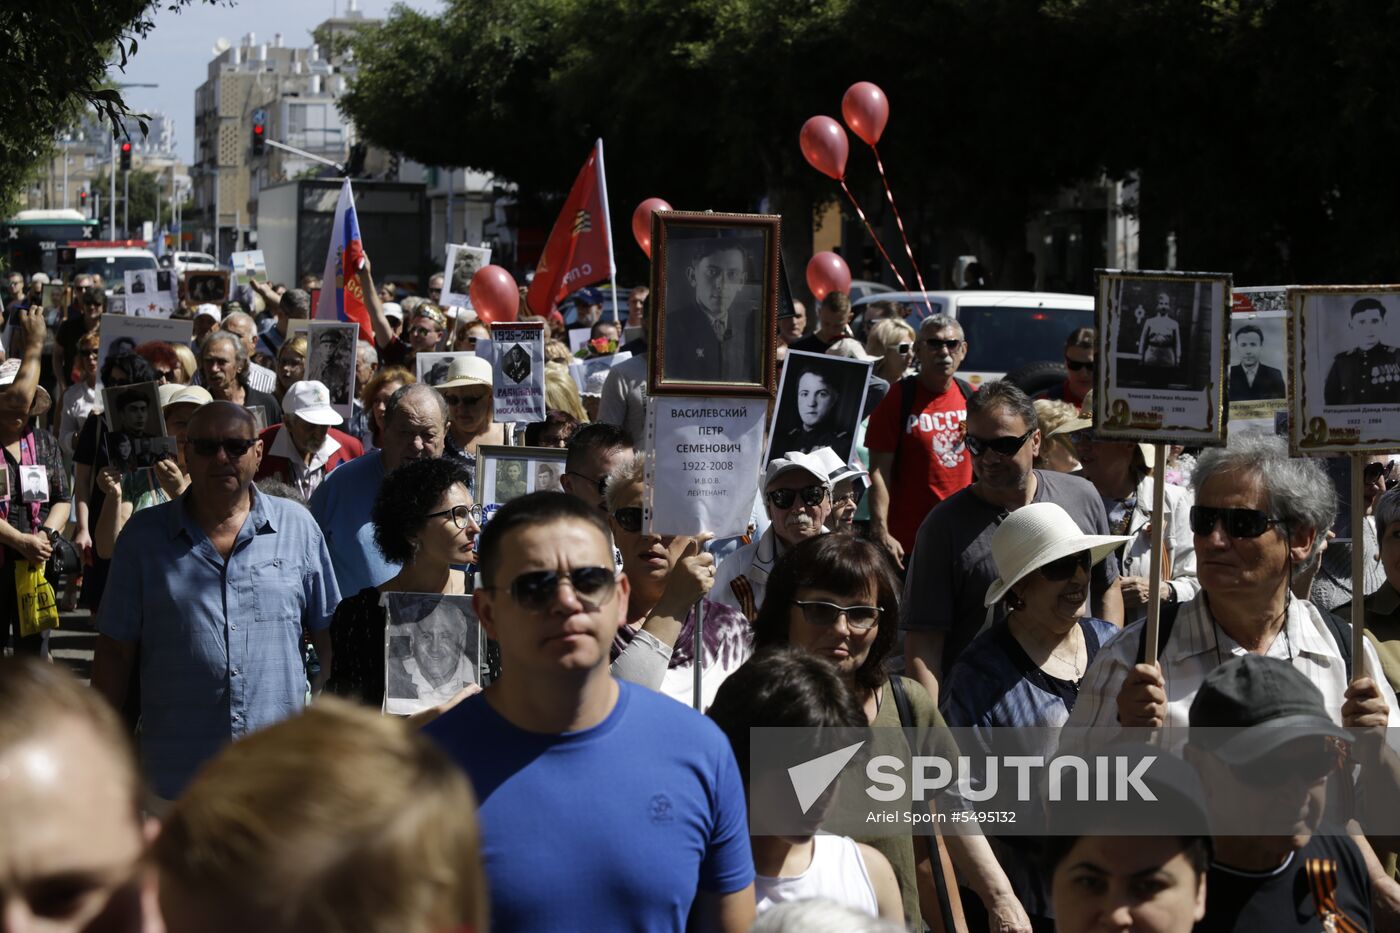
x: 1063, y: 568
x: 629, y: 519
x: 1239, y: 523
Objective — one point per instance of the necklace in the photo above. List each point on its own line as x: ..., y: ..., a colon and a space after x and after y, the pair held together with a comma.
x: 1073, y: 661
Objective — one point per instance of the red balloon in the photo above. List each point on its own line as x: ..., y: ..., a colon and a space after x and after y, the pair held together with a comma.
x: 641, y: 222
x: 494, y: 294
x: 866, y: 110
x: 825, y: 146
x: 827, y: 273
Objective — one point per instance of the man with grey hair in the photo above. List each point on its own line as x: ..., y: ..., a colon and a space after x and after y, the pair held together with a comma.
x: 223, y: 369
x: 242, y: 326
x: 415, y: 428
x: 952, y: 567
x: 1259, y: 516
x: 917, y: 458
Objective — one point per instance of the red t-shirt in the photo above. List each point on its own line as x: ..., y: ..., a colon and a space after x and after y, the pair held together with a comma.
x: 931, y: 463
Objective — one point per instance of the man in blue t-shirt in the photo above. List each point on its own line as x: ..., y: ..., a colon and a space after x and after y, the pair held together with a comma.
x: 603, y: 805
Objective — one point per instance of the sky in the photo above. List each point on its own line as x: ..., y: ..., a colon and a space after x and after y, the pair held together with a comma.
x: 177, y: 53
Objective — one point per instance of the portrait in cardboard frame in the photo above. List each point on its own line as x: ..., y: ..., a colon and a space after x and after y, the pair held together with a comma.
x: 715, y: 291
x: 1163, y: 341
x: 504, y: 473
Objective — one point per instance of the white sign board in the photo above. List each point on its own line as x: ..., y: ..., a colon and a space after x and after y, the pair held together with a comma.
x: 122, y: 333
x: 144, y: 297
x: 518, y: 371
x: 702, y: 469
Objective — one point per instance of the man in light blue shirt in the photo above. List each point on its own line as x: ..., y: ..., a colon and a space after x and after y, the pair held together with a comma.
x: 415, y: 427
x: 215, y: 588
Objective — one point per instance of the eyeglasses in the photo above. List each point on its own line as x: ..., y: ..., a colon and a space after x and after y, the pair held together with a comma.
x: 851, y: 497
x: 455, y: 400
x: 824, y: 614
x: 784, y: 498
x: 535, y: 589
x: 235, y: 447
x: 1239, y: 523
x: 1061, y: 569
x: 434, y: 291
x: 1307, y: 768
x: 91, y: 353
x: 463, y: 516
x: 164, y: 375
x: 420, y: 332
x: 629, y: 519
x: 1005, y: 446
x: 933, y: 343
x: 1075, y: 366
x: 904, y: 348
x: 601, y: 482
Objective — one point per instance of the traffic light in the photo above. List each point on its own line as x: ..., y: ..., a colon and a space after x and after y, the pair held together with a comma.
x: 83, y: 200
x: 259, y: 139
x: 126, y: 157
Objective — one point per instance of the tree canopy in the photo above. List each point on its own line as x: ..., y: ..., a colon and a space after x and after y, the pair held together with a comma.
x: 1260, y: 130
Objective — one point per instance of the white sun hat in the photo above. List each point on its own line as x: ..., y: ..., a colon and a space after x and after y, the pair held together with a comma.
x: 310, y: 401
x: 1033, y: 536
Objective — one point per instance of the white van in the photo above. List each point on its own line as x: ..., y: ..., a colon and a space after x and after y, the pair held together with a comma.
x: 112, y: 263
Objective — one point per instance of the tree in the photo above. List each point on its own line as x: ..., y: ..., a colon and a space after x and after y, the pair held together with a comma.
x: 1261, y: 131
x: 55, y: 57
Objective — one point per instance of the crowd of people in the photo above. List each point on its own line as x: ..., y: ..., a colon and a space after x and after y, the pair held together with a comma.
x: 981, y: 561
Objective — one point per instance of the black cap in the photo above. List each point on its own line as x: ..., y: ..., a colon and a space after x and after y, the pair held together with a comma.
x: 1252, y: 691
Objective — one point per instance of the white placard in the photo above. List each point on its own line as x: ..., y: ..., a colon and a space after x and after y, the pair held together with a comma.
x: 144, y: 297
x: 124, y: 333
x: 462, y: 263
x: 330, y: 360
x: 578, y: 338
x: 518, y: 371
x: 586, y: 371
x: 249, y: 266
x: 702, y: 469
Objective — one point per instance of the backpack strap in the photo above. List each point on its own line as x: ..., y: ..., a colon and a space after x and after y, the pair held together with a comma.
x: 1341, y: 634
x: 965, y: 388
x: 908, y: 389
x: 1165, y: 623
x: 901, y: 701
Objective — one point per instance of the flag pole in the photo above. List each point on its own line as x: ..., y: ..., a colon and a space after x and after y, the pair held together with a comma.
x: 607, y: 227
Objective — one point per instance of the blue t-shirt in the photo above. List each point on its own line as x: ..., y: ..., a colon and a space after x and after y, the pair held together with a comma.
x: 342, y: 506
x: 611, y: 828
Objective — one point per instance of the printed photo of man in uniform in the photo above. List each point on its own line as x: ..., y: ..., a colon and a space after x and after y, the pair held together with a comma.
x: 712, y: 316
x: 1369, y: 373
x: 1251, y: 380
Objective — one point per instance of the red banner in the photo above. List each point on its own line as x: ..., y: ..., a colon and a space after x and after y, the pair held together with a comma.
x: 578, y: 250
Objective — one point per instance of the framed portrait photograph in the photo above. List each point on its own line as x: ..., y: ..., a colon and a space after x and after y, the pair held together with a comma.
x: 1162, y: 339
x: 433, y: 649
x: 123, y: 333
x: 506, y: 473
x: 248, y: 266
x: 462, y: 263
x: 136, y: 436
x: 820, y: 401
x: 1345, y: 368
x: 330, y: 360
x: 432, y: 367
x: 1257, y: 385
x: 208, y: 286
x: 714, y: 304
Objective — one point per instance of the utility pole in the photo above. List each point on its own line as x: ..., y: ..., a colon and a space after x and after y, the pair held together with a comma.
x: 112, y: 194
x: 126, y: 204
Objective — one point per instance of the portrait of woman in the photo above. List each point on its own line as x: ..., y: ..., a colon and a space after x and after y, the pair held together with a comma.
x: 819, y: 404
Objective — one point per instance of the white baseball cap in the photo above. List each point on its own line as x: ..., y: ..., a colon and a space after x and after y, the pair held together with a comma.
x: 467, y: 370
x: 1033, y: 536
x: 39, y: 278
x: 209, y: 310
x: 310, y: 401
x: 393, y: 309
x: 818, y: 464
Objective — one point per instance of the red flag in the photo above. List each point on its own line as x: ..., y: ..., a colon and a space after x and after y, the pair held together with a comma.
x: 579, y: 251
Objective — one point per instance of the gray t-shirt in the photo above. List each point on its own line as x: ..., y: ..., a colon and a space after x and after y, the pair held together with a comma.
x: 952, y: 567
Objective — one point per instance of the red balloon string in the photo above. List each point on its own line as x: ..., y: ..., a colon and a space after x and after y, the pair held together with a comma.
x: 880, y: 246
x: 899, y: 221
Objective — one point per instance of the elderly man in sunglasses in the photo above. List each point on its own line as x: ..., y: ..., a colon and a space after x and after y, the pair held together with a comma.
x: 215, y: 588
x: 797, y: 493
x: 602, y: 803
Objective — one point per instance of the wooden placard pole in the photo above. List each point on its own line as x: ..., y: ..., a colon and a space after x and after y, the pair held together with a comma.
x: 1154, y: 575
x: 1358, y: 566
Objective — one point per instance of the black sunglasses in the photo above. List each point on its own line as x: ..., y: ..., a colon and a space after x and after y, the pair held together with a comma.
x: 601, y: 482
x: 535, y: 590
x: 933, y: 343
x: 858, y: 618
x: 462, y: 515
x: 1074, y: 366
x: 629, y: 519
x: 1239, y: 523
x: 1005, y: 446
x: 455, y: 400
x: 1065, y: 567
x: 235, y: 447
x: 904, y: 348
x: 1375, y: 471
x: 784, y: 498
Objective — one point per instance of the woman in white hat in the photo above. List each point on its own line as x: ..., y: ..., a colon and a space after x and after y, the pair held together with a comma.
x: 467, y: 391
x: 1025, y: 670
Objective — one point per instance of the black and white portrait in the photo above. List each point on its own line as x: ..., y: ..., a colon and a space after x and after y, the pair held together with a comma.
x: 1346, y: 369
x: 590, y: 373
x: 432, y: 650
x: 331, y: 360
x: 506, y: 473
x: 134, y: 410
x: 137, y: 284
x: 717, y: 288
x: 1164, y: 334
x: 121, y: 333
x: 1359, y: 344
x: 1257, y: 359
x: 433, y: 367
x: 165, y: 281
x: 820, y: 400
x: 462, y: 263
x: 206, y: 286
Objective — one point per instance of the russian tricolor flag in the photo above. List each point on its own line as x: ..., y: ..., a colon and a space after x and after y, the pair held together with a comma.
x: 342, y: 299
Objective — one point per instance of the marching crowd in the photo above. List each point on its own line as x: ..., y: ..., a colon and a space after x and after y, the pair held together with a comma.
x: 982, y: 560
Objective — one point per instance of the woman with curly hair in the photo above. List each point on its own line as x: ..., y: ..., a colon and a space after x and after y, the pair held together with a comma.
x: 424, y: 519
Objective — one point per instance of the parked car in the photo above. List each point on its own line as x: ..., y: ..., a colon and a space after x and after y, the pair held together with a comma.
x: 1019, y: 336
x: 112, y: 263
x: 863, y: 288
x: 184, y: 262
